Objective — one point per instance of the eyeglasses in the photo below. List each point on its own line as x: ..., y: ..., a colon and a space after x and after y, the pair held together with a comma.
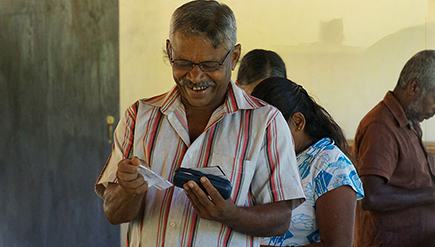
x: 207, y: 66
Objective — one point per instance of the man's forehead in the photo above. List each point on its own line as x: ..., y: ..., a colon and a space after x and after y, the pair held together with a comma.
x: 178, y: 39
x: 195, y: 48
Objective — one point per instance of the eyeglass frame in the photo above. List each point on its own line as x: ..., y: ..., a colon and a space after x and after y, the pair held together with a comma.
x: 200, y: 64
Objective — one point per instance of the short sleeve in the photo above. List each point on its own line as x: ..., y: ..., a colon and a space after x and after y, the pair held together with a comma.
x: 277, y: 177
x: 376, y: 151
x: 121, y: 148
x: 333, y: 169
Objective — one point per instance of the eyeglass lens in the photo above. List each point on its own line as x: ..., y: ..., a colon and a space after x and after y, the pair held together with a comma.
x: 188, y: 65
x: 206, y: 66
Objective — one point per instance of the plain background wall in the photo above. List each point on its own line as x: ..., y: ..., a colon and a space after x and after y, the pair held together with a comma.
x: 346, y: 53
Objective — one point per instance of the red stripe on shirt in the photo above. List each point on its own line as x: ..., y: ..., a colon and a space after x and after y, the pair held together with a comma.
x: 130, y: 138
x: 242, y: 137
x: 104, y: 168
x: 272, y: 155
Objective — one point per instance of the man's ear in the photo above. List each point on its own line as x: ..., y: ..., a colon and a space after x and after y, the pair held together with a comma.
x: 298, y: 120
x: 414, y: 89
x: 168, y: 43
x: 235, y: 55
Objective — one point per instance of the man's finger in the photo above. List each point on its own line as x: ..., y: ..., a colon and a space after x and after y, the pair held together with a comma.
x: 135, y: 161
x: 213, y: 193
x: 134, y: 184
x: 127, y: 167
x: 126, y: 177
x: 196, y: 195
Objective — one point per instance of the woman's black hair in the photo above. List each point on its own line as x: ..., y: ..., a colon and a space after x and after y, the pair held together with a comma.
x: 259, y: 64
x: 289, y: 98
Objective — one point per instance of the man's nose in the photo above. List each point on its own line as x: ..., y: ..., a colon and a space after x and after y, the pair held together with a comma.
x: 195, y: 74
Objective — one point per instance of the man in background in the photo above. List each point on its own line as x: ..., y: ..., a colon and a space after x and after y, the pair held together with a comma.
x: 396, y: 170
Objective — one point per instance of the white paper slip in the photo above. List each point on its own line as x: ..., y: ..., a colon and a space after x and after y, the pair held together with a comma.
x: 153, y: 179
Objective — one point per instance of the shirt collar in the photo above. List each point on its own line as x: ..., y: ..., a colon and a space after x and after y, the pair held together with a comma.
x: 236, y: 99
x: 396, y: 109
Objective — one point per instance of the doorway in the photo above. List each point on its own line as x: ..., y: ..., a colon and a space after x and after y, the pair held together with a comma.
x: 59, y: 80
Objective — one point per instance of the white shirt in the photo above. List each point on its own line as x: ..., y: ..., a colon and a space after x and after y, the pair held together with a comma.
x: 241, y: 137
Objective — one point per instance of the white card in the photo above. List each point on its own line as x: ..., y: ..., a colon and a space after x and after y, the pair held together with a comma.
x: 153, y: 179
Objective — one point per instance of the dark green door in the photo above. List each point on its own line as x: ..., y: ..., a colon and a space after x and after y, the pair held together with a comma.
x: 59, y: 80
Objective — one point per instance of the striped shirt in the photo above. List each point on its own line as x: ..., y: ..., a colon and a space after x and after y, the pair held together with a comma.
x: 241, y: 137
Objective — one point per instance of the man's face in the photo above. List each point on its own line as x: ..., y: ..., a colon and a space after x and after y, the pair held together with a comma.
x: 422, y: 108
x: 199, y: 89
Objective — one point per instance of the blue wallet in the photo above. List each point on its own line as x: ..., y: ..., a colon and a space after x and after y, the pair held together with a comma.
x: 183, y: 175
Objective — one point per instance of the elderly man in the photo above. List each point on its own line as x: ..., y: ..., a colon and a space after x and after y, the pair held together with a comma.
x: 205, y: 120
x: 396, y: 170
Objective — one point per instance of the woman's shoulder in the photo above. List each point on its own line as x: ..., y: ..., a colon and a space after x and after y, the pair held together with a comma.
x: 328, y: 154
x: 326, y: 146
x: 332, y: 168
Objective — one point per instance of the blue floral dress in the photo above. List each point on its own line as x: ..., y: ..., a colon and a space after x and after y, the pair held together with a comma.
x: 323, y: 167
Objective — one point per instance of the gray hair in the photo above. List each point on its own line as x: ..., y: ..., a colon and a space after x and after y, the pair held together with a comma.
x: 214, y: 20
x: 421, y: 66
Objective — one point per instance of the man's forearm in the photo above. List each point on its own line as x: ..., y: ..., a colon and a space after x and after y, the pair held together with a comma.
x: 381, y: 197
x: 120, y: 207
x: 398, y: 199
x: 272, y: 219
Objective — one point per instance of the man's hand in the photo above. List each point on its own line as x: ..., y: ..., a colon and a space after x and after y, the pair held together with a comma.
x: 129, y: 178
x: 123, y: 200
x: 264, y: 220
x: 212, y: 207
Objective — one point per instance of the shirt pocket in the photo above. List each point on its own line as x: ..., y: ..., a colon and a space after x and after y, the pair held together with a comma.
x: 239, y: 172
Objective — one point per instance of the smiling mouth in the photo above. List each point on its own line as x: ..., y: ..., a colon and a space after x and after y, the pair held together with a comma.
x: 199, y: 88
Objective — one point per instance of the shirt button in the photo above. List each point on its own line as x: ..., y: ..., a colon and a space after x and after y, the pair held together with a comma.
x: 189, y: 155
x: 172, y: 224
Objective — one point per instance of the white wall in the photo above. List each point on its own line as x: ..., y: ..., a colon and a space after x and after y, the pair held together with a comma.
x: 346, y: 53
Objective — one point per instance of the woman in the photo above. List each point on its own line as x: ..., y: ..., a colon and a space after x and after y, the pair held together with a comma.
x: 330, y: 181
x: 258, y: 65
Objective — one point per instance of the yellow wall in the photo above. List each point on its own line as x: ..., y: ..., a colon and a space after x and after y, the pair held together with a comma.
x: 346, y: 53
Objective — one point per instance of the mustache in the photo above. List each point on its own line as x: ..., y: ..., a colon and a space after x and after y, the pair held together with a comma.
x: 189, y: 83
